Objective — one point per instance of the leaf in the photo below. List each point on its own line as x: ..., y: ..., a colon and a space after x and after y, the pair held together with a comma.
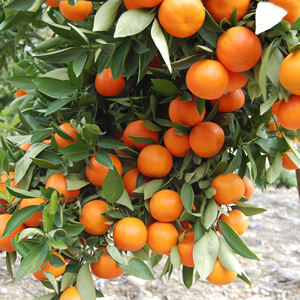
x: 104, y: 159
x: 56, y: 105
x: 49, y: 212
x: 138, y: 268
x: 268, y: 104
x: 165, y: 87
x: 22, y: 193
x: 30, y: 232
x: 125, y: 200
x: 187, y: 196
x: 61, y: 56
x: 52, y: 280
x: 68, y: 279
x: 175, y: 257
x: 187, y: 275
x: 22, y: 82
x: 274, y: 64
x: 274, y: 171
x: 210, y: 214
x: 113, y: 186
x: 116, y: 255
x: 85, y: 284
x: 151, y: 187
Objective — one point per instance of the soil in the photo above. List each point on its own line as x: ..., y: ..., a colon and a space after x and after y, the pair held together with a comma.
x: 275, y: 276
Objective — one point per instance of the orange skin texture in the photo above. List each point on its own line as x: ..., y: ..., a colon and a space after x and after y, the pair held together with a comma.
x: 129, y: 181
x: 106, y: 267
x: 237, y: 220
x: 185, y: 249
x: 236, y: 81
x: 130, y: 234
x: 207, y: 79
x: 70, y: 293
x: 34, y: 220
x: 275, y: 106
x: 91, y: 217
x: 97, y: 174
x: 220, y: 9
x: 55, y: 271
x: 229, y: 187
x: 178, y: 145
x: 231, y: 101
x: 53, y: 3
x: 137, y: 129
x: 291, y: 6
x: 181, y: 18
x: 106, y: 86
x: 288, y: 113
x: 162, y: 237
x: 155, y: 161
x: 207, y: 139
x: 249, y: 187
x: 4, y: 178
x: 185, y: 112
x: 58, y: 181
x: 220, y: 275
x: 76, y: 13
x: 239, y: 49
x: 287, y: 163
x: 20, y: 93
x: 67, y: 128
x: 147, y: 3
x: 25, y: 147
x: 166, y: 206
x: 5, y: 243
x: 129, y: 4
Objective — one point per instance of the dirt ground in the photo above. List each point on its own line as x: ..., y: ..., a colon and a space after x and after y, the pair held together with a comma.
x: 275, y: 276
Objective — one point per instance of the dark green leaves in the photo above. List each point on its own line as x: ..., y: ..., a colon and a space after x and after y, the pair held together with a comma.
x: 113, y: 186
x: 138, y: 269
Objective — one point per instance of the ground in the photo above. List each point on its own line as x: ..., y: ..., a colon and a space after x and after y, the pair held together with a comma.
x: 275, y: 276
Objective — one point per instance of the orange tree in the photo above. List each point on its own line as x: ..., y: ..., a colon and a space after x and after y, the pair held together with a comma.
x: 182, y: 97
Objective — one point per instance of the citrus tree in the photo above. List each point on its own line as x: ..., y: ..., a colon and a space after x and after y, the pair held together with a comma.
x: 138, y: 133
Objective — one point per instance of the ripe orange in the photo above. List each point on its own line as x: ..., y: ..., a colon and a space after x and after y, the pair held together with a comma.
x: 220, y: 275
x: 4, y: 181
x: 53, y: 3
x: 129, y: 180
x: 147, y: 3
x: 207, y: 79
x: 185, y: 249
x: 25, y: 147
x: 185, y: 112
x: 275, y: 106
x: 220, y: 9
x: 239, y: 49
x: 231, y: 101
x: 236, y: 81
x: 137, y: 129
x: 58, y: 181
x: 229, y: 187
x: 272, y: 125
x: 20, y: 93
x: 129, y: 4
x: 130, y: 234
x: 291, y: 6
x: 67, y: 128
x: 70, y: 293
x: 155, y: 161
x: 288, y: 113
x: 106, y: 267
x: 181, y: 18
x: 98, y: 172
x: 5, y: 243
x: 76, y: 13
x: 91, y: 217
x: 287, y: 72
x: 162, y: 237
x: 237, y: 220
x: 106, y: 86
x: 207, y: 139
x: 166, y: 206
x: 34, y: 220
x: 178, y: 145
x: 46, y: 266
x: 287, y: 163
x: 249, y: 187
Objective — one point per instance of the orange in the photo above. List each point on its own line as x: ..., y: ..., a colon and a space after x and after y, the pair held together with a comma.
x: 34, y: 220
x: 220, y: 9
x: 288, y: 113
x: 249, y: 187
x: 166, y: 206
x: 46, y: 266
x: 106, y: 86
x: 236, y: 81
x: 181, y: 18
x: 70, y: 293
x: 25, y: 147
x: 207, y: 139
x: 93, y: 221
x: 220, y: 275
x: 5, y: 243
x: 185, y: 112
x: 287, y: 163
x: 185, y: 249
x: 237, y: 220
x: 178, y: 145
x: 67, y: 128
x: 239, y: 49
x: 98, y: 172
x: 275, y: 106
x: 58, y: 181
x: 129, y: 4
x: 155, y: 161
x: 207, y: 79
x: 130, y: 234
x: 4, y: 181
x: 53, y: 3
x: 231, y: 101
x: 129, y: 180
x: 229, y: 187
x: 162, y: 237
x: 20, y: 93
x: 76, y: 13
x: 291, y: 6
x: 147, y: 3
x: 137, y: 129
x: 272, y: 125
x: 106, y: 267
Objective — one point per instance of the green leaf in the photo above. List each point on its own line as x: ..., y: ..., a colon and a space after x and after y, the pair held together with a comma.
x: 235, y: 162
x: 187, y: 196
x: 87, y: 99
x: 104, y: 159
x: 138, y: 268
x: 111, y: 144
x: 22, y: 82
x: 22, y: 193
x: 187, y: 275
x: 210, y: 213
x: 165, y: 87
x: 61, y: 56
x: 67, y: 280
x: 274, y: 171
x: 56, y: 105
x: 125, y: 200
x: 49, y: 212
x: 142, y: 254
x: 113, y: 186
x: 85, y: 284
x: 79, y: 64
x: 46, y: 297
x: 30, y: 232
x: 52, y: 280
x: 76, y: 151
x: 268, y: 104
x: 151, y: 187
x: 274, y: 64
x: 116, y: 255
x: 155, y: 259
x: 175, y: 257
